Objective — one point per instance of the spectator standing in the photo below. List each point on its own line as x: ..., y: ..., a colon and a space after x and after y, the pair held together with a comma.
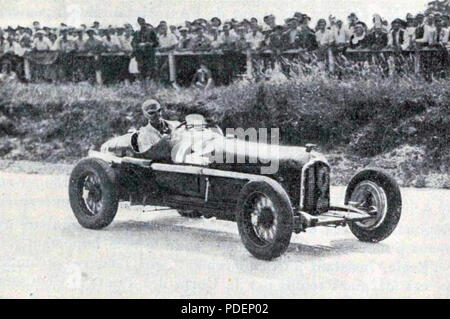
x: 144, y: 44
x: 92, y: 44
x: 183, y: 43
x: 397, y: 39
x: 255, y: 38
x: 358, y: 39
x: 79, y: 39
x: 350, y: 29
x: 338, y: 34
x: 323, y: 35
x: 199, y: 42
x: 110, y: 42
x: 63, y: 43
x: 167, y: 41
x: 429, y: 32
x: 41, y: 43
x: 290, y: 36
x: 377, y: 39
x: 227, y: 39
x: 410, y: 28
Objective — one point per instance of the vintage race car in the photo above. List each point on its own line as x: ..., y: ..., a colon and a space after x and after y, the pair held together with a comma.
x: 184, y: 172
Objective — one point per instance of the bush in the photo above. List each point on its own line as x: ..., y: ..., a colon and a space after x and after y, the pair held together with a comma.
x: 362, y: 116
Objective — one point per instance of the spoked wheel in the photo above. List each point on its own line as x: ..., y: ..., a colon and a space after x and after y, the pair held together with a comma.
x: 93, y: 193
x: 265, y: 220
x: 262, y: 217
x: 379, y: 195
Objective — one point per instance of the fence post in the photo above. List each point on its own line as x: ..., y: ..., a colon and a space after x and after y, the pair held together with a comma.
x: 26, y: 69
x: 249, y: 64
x: 417, y: 62
x: 331, y: 60
x: 98, y: 71
x: 391, y: 65
x: 172, y: 68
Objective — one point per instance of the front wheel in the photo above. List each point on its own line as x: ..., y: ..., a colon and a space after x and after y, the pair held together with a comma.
x: 93, y: 193
x: 377, y: 193
x: 265, y: 220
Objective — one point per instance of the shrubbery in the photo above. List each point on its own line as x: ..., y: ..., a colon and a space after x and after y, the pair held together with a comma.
x: 359, y: 116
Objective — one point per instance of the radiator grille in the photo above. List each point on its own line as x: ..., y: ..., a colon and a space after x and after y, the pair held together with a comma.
x: 316, y: 195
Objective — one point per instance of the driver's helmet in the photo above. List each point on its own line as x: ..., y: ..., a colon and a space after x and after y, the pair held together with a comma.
x: 150, y: 107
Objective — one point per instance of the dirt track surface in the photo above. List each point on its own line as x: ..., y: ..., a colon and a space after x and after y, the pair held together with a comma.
x: 45, y: 253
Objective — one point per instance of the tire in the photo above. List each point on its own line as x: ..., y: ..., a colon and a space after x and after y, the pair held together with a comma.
x: 189, y: 213
x: 382, y: 192
x: 266, y: 229
x: 98, y: 179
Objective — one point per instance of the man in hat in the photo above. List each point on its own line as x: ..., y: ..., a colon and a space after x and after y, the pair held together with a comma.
x: 358, y: 40
x: 167, y: 41
x: 410, y: 27
x: 269, y: 23
x: 183, y: 43
x: 338, y: 36
x: 92, y: 44
x: 216, y: 22
x: 227, y: 39
x: 199, y: 41
x: 442, y: 34
x: 323, y: 35
x: 306, y: 35
x: 255, y: 38
x: 352, y: 20
x: 241, y: 43
x: 429, y: 32
x: 144, y: 44
x: 153, y: 140
x: 63, y: 43
x: 290, y: 36
x: 79, y: 39
x: 377, y: 39
x: 41, y: 42
x: 397, y: 39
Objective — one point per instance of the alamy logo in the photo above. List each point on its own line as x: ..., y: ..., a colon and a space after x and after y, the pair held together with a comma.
x: 236, y: 146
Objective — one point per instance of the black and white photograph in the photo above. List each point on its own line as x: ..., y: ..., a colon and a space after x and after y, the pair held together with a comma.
x: 224, y: 149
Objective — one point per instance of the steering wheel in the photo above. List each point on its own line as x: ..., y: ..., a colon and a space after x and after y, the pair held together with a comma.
x: 181, y: 124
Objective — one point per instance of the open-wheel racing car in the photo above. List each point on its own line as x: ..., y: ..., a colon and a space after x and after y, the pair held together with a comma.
x: 267, y: 208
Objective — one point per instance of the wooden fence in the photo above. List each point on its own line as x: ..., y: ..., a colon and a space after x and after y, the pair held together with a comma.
x: 249, y: 58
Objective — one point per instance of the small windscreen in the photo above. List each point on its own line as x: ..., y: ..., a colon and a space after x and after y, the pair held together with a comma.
x: 195, y: 120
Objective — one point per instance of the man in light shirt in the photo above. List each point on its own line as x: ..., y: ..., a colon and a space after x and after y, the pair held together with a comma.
x: 290, y: 36
x: 429, y: 32
x: 227, y: 39
x: 323, y: 35
x: 410, y: 27
x: 397, y: 36
x: 255, y: 38
x: 63, y: 43
x: 41, y: 43
x: 338, y: 34
x: 349, y: 30
x: 167, y: 41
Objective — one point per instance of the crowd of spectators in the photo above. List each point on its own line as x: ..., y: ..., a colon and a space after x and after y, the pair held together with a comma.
x: 296, y: 32
x: 202, y: 34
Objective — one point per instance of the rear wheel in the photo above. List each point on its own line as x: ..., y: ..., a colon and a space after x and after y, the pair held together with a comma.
x: 265, y: 220
x: 93, y: 194
x: 378, y: 194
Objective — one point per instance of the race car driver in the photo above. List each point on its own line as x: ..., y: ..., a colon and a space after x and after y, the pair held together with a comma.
x: 153, y: 140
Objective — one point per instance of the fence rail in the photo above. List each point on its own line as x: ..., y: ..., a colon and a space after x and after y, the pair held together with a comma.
x: 249, y: 56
